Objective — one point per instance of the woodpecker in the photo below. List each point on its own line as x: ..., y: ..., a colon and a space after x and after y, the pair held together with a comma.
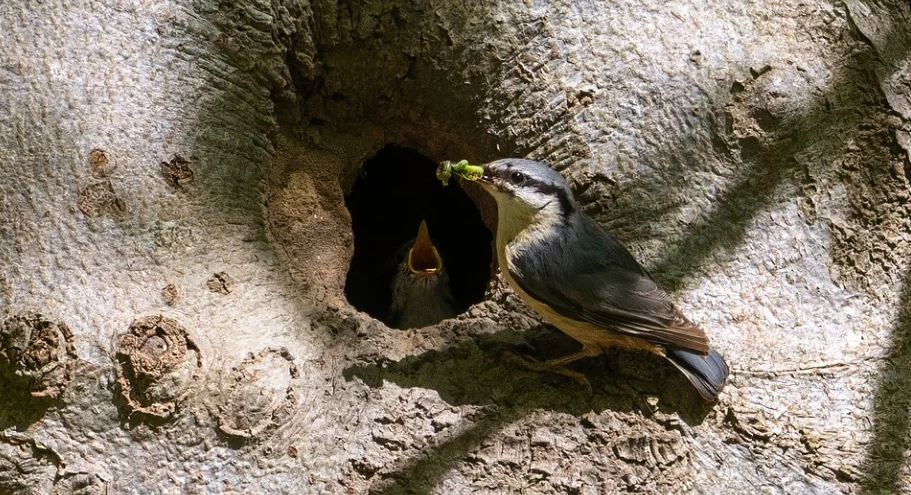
x: 421, y: 293
x: 583, y: 281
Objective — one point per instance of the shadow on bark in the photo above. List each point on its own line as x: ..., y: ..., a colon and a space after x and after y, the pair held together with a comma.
x: 726, y: 226
x: 769, y: 162
x: 478, y: 372
x: 892, y: 408
x: 21, y: 410
x: 768, y: 166
x: 420, y: 475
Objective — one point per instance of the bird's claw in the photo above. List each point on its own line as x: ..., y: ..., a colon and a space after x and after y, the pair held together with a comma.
x: 547, y: 366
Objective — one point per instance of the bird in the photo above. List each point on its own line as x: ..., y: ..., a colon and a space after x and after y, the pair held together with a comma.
x: 582, y: 280
x: 421, y: 291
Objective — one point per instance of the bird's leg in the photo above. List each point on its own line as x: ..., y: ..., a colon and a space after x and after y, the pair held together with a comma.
x: 557, y: 365
x: 586, y: 351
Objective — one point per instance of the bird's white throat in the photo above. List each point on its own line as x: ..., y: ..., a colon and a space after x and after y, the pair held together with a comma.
x: 520, y: 223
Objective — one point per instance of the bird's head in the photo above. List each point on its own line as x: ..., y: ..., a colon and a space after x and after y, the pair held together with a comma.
x: 527, y: 187
x: 423, y: 259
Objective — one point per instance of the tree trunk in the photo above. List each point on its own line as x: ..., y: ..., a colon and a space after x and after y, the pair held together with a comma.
x: 176, y: 244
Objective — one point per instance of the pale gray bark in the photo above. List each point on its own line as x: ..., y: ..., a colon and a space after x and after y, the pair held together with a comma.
x: 194, y: 336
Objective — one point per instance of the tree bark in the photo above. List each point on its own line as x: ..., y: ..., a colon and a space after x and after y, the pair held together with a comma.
x: 175, y: 244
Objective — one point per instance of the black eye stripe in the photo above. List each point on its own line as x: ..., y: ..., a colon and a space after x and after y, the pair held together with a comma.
x: 546, y: 188
x: 506, y: 174
x: 566, y: 203
x: 516, y: 177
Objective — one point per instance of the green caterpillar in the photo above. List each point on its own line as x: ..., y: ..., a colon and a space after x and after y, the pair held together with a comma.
x: 463, y: 169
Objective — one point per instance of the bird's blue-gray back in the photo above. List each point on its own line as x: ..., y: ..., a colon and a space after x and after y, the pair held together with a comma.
x: 597, y: 280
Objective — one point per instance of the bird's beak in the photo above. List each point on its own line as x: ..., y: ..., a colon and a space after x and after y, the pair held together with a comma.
x: 486, y: 181
x: 423, y: 258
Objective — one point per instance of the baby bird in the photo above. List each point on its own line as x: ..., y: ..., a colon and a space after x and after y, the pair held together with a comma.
x: 421, y: 293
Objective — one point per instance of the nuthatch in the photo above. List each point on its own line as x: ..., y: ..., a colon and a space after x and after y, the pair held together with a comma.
x: 580, y: 278
x: 421, y: 294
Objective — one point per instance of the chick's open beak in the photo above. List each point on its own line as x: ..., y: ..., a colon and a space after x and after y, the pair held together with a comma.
x: 423, y: 258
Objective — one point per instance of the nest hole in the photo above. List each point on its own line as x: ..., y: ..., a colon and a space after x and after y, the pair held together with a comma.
x: 396, y: 189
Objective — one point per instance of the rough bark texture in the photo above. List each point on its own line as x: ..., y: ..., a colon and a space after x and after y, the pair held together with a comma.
x: 174, y: 244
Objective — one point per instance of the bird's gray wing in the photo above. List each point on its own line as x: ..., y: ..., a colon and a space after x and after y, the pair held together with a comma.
x: 588, y: 275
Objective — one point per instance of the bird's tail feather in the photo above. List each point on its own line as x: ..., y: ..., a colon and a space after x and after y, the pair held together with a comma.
x: 706, y: 373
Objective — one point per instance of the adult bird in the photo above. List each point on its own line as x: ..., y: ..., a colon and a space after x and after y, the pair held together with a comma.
x: 421, y: 293
x: 582, y: 280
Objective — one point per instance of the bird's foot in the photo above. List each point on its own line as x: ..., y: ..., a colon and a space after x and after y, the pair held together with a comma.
x: 549, y: 366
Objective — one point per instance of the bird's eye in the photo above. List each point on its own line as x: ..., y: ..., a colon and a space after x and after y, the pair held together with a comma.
x: 516, y: 178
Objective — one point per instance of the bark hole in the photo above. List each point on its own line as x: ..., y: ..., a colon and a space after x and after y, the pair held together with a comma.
x: 397, y: 189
